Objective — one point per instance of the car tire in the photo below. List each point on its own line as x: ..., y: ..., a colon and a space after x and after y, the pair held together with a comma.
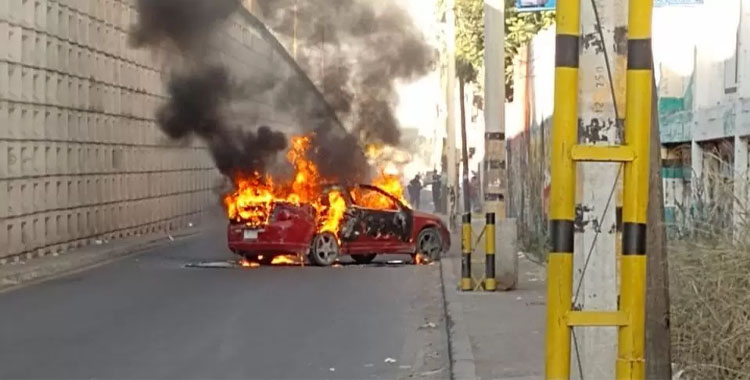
x: 429, y: 243
x: 364, y: 259
x: 325, y: 249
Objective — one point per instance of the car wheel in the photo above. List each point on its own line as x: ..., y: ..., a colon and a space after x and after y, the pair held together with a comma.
x: 429, y: 243
x: 325, y: 249
x: 364, y: 259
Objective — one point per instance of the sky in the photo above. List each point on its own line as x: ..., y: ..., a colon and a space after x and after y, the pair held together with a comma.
x: 418, y: 100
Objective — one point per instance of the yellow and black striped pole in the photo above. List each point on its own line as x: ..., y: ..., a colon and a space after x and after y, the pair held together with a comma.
x: 631, y: 339
x: 563, y: 188
x: 466, y: 284
x: 490, y: 283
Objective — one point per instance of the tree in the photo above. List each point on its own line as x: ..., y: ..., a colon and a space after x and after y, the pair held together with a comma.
x: 469, y: 58
x: 520, y: 28
x: 469, y: 39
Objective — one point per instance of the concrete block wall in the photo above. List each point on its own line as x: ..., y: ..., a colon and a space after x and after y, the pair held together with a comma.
x: 81, y: 156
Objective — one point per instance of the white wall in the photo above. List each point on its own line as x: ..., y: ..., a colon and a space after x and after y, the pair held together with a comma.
x: 81, y: 156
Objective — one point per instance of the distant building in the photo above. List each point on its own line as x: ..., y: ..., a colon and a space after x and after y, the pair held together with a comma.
x: 702, y: 68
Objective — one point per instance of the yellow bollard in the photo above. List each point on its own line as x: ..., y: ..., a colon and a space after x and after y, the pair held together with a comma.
x: 466, y: 283
x: 563, y: 188
x: 490, y: 284
x: 631, y: 339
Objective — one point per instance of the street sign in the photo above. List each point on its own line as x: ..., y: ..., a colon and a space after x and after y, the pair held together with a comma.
x: 666, y: 3
x: 549, y: 5
x: 535, y: 5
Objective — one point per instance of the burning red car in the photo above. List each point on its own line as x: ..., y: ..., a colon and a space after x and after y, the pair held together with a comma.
x: 361, y: 221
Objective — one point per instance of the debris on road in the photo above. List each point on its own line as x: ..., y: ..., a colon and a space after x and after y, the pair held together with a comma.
x: 369, y: 365
x: 332, y: 369
x: 389, y: 360
x: 428, y: 325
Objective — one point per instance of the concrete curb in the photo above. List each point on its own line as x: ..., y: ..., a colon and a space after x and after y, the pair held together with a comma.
x: 35, y: 271
x: 459, y: 346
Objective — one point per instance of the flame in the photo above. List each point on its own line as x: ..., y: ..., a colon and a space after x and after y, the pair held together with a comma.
x: 391, y: 184
x: 255, y: 195
x: 249, y: 264
x: 285, y: 260
x: 334, y: 212
x: 373, y: 151
x: 418, y: 259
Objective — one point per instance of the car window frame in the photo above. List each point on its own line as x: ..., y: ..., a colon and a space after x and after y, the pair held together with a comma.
x: 400, y: 206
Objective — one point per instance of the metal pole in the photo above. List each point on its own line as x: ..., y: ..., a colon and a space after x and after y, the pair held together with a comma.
x: 563, y: 186
x: 631, y: 339
x: 490, y: 283
x: 464, y: 149
x: 495, y: 182
x: 466, y: 283
x: 451, y: 174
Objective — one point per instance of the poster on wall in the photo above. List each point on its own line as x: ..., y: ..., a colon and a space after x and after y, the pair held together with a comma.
x: 535, y: 5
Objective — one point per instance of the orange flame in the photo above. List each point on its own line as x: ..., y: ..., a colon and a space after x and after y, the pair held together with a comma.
x: 285, y: 260
x: 254, y: 197
x: 249, y: 264
x: 334, y: 212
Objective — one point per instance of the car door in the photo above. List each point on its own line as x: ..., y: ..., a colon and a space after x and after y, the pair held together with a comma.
x: 378, y: 222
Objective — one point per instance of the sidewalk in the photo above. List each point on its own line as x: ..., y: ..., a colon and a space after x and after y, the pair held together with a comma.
x: 504, y: 330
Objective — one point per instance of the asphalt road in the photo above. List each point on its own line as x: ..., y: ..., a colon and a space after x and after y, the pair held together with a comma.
x: 148, y: 316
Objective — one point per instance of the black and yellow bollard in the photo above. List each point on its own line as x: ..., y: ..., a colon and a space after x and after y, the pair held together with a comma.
x: 490, y: 283
x: 631, y: 343
x: 563, y: 184
x: 466, y: 284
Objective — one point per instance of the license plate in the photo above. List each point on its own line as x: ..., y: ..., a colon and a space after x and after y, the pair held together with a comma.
x: 251, y: 235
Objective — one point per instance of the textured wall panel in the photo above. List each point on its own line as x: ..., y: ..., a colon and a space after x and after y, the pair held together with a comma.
x: 81, y: 156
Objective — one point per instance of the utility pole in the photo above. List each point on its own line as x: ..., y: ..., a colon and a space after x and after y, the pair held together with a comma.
x: 464, y: 149
x: 658, y: 344
x: 450, y: 98
x: 495, y: 174
x: 596, y: 232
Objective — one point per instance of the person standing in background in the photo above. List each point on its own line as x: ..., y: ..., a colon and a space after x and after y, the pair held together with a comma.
x: 415, y: 188
x: 437, y: 191
x: 475, y: 194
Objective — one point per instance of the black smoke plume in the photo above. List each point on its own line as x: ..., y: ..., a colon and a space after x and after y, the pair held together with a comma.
x: 197, y: 102
x: 361, y: 49
x: 200, y: 94
x: 367, y: 46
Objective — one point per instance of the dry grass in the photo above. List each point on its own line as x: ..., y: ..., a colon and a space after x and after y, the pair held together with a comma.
x: 710, y: 286
x: 710, y: 291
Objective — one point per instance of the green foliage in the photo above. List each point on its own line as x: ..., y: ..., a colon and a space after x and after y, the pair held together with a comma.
x: 520, y: 28
x: 469, y: 39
